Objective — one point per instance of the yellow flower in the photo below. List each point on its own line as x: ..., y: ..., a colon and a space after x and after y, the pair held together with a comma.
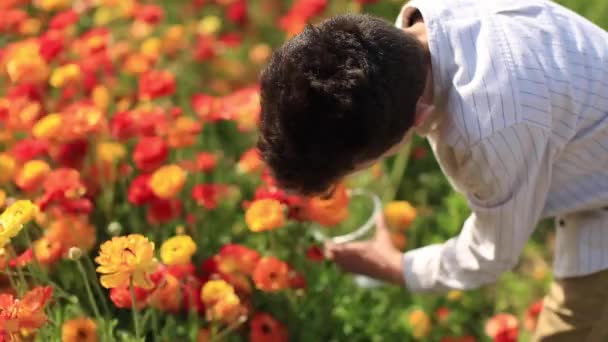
x: 209, y: 25
x: 110, y: 152
x: 125, y: 260
x: 265, y: 214
x: 13, y: 219
x: 8, y: 165
x: 167, y: 181
x: 52, y: 5
x: 454, y: 295
x: 32, y: 174
x: 221, y: 301
x: 177, y: 250
x: 399, y: 214
x: 101, y: 97
x: 214, y: 290
x: 48, y: 126
x: 420, y: 323
x: 64, y: 75
x: 151, y: 47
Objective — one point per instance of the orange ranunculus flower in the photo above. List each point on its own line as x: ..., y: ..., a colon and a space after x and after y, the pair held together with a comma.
x: 265, y: 214
x: 329, y: 211
x: 32, y: 174
x: 221, y: 301
x: 26, y: 313
x: 399, y: 240
x: 204, y: 335
x: 173, y: 39
x: 52, y: 5
x: 22, y: 113
x: 503, y: 327
x: 168, y: 181
x: 399, y: 214
x: 264, y: 328
x: 154, y: 84
x: 242, y: 106
x: 73, y: 231
x: 183, y: 132
x: 420, y: 323
x: 8, y: 167
x: 2, y: 198
x: 23, y: 62
x: 271, y: 274
x: 81, y: 120
x: 151, y: 47
x: 137, y: 63
x: 167, y: 295
x: 47, y: 251
x: 126, y: 260
x: 235, y: 258
x: 81, y: 329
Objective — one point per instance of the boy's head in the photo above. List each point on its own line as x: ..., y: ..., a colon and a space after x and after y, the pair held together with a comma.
x: 338, y: 96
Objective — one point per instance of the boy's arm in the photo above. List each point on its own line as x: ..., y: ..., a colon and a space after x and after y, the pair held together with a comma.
x: 509, y: 174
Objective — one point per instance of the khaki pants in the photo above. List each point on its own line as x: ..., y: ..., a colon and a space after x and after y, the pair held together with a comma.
x: 575, y: 309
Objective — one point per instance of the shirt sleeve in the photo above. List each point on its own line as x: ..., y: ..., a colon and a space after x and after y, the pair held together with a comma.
x: 508, y: 175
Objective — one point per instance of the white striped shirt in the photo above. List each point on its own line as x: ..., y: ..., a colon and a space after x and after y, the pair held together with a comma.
x: 522, y: 88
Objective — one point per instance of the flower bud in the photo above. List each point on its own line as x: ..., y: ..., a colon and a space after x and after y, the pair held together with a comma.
x: 114, y: 228
x: 74, y: 253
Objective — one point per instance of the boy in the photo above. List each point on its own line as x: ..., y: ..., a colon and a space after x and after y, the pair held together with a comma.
x: 513, y: 98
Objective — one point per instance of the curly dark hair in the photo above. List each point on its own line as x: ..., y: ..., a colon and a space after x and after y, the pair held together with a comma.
x: 336, y: 95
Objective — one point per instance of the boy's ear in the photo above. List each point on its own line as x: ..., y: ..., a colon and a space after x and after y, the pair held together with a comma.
x: 423, y: 111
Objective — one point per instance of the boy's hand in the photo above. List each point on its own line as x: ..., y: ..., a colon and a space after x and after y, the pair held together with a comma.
x: 376, y: 258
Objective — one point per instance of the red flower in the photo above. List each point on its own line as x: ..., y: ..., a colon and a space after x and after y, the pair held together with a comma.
x: 231, y: 39
x: 235, y: 258
x: 150, y: 153
x: 442, y: 314
x: 26, y: 313
x: 11, y: 19
x: 205, y: 161
x: 503, y: 328
x: 139, y: 191
x: 467, y: 338
x: 207, y: 195
x: 315, y: 253
x: 123, y: 125
x: 204, y: 49
x: 51, y: 45
x: 162, y: 211
x: 151, y: 14
x: 28, y: 149
x: 206, y: 106
x: 62, y: 186
x: 71, y: 154
x: 237, y: 12
x: 155, y: 83
x: 532, y: 315
x: 121, y: 297
x: 23, y: 259
x: 296, y: 280
x: 264, y: 328
x: 64, y: 19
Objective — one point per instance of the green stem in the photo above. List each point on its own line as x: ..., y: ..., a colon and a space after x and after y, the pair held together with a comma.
x: 134, y: 310
x: 397, y: 172
x: 229, y: 329
x: 87, y: 287
x: 100, y: 294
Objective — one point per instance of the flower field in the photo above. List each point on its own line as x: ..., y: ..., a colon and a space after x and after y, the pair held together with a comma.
x: 136, y: 208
